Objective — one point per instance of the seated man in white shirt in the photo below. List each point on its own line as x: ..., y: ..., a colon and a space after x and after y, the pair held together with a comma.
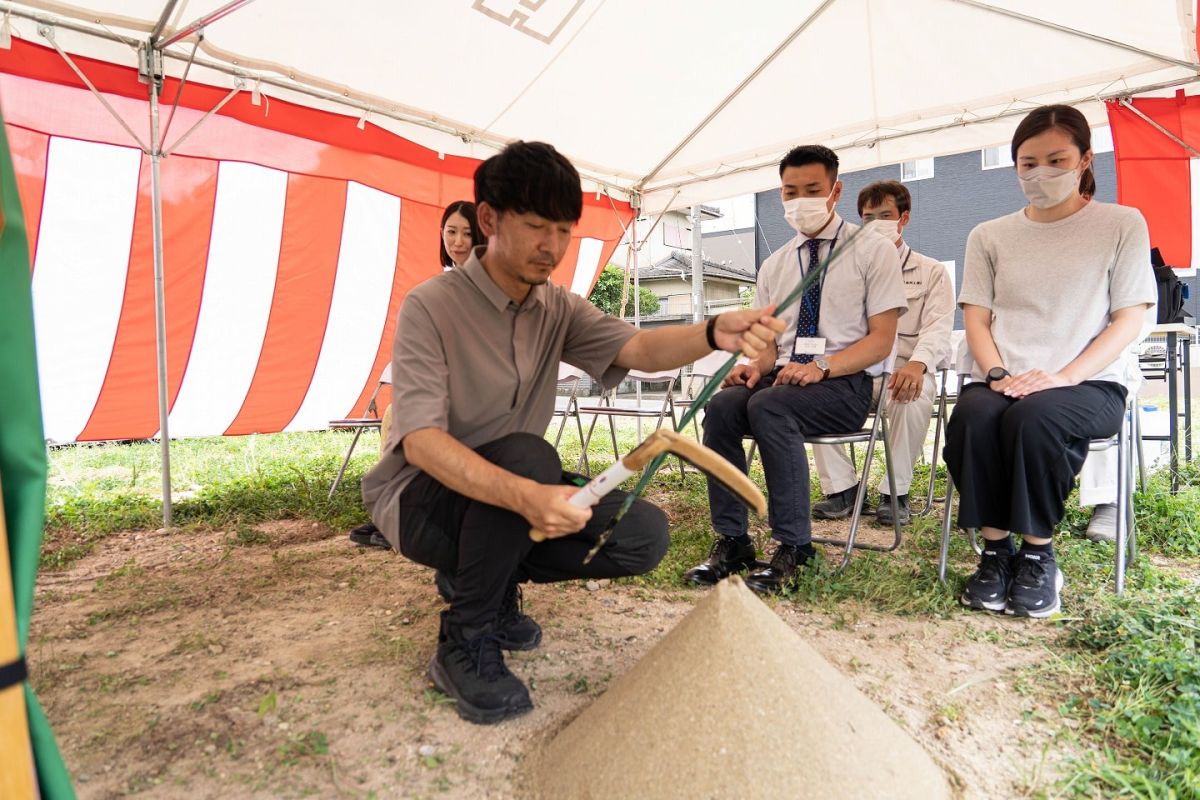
x: 818, y: 379
x: 922, y: 347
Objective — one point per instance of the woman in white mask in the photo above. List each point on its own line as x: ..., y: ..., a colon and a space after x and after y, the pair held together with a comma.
x: 1052, y: 296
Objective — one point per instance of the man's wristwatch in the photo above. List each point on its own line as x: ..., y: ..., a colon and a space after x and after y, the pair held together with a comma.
x: 995, y: 374
x: 823, y: 365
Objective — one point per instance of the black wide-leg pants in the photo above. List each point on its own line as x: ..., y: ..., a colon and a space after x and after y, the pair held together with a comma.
x: 1015, y: 461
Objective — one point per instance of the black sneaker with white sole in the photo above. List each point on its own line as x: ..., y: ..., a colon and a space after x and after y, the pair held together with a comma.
x: 1037, y: 582
x: 987, y: 589
x: 470, y: 668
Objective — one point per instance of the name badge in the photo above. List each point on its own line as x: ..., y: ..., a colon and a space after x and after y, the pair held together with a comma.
x: 809, y: 346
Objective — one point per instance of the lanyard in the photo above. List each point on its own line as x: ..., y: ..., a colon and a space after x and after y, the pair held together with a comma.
x: 907, y: 256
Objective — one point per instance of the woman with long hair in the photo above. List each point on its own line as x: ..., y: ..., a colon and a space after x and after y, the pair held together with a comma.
x: 1052, y: 297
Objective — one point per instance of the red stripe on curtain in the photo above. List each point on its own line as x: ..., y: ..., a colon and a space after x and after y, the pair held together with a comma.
x: 29, y: 149
x: 127, y: 407
x: 308, y: 263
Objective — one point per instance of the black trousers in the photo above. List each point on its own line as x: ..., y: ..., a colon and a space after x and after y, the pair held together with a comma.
x: 1015, y: 461
x: 487, y: 548
x: 779, y: 417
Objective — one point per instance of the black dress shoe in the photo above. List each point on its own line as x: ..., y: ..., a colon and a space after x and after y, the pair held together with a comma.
x: 883, y: 514
x: 782, y: 569
x: 728, y: 555
x: 836, y: 506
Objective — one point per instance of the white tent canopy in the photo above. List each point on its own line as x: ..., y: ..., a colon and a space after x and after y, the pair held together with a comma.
x: 680, y: 101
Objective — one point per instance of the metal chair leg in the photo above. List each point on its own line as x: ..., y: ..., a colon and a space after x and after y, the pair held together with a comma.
x: 944, y: 554
x: 583, y: 455
x: 612, y: 429
x: 586, y: 442
x: 1122, y: 518
x: 1137, y: 446
x: 937, y: 446
x: 345, y: 462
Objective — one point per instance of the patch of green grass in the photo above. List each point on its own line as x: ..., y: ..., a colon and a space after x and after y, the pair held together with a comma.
x: 312, y: 743
x: 1142, y: 697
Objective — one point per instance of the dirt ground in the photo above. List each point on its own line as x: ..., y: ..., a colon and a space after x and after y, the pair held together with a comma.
x: 282, y: 661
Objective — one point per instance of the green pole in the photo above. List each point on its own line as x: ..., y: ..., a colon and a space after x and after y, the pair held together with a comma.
x: 23, y: 454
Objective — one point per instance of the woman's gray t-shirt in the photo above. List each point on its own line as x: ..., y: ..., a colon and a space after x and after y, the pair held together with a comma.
x: 1051, y: 286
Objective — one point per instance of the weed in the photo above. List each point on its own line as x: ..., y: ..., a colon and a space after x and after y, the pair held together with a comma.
x: 312, y: 743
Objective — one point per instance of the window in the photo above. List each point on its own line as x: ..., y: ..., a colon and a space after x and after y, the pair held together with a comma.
x: 996, y: 157
x: 916, y: 170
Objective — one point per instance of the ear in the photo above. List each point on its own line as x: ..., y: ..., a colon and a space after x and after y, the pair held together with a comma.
x: 488, y: 219
x: 1086, y: 162
x: 837, y: 192
x: 904, y: 219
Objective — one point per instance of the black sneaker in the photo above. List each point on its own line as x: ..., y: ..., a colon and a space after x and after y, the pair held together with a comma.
x: 369, y: 536
x: 987, y: 589
x: 1037, y: 580
x: 728, y: 555
x: 515, y: 630
x: 780, y: 572
x: 473, y: 672
x: 883, y: 514
x: 836, y: 506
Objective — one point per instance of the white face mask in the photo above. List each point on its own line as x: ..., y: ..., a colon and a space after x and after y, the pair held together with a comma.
x: 888, y: 228
x: 807, y: 214
x: 1046, y: 187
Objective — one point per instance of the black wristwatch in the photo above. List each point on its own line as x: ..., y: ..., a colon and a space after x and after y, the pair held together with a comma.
x: 996, y: 374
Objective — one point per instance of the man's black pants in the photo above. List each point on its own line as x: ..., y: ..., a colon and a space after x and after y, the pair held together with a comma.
x: 779, y: 418
x: 1015, y: 461
x: 487, y: 548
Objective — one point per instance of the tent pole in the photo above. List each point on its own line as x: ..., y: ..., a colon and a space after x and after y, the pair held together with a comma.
x: 636, y: 202
x: 160, y: 313
x: 697, y: 267
x: 1154, y: 124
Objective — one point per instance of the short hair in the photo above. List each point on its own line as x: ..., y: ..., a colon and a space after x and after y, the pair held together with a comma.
x: 530, y: 177
x: 811, y: 154
x: 466, y: 209
x: 873, y: 194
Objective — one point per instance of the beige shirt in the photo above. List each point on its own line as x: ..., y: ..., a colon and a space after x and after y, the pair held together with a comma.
x: 469, y: 361
x: 865, y: 281
x: 1053, y: 286
x: 923, y: 334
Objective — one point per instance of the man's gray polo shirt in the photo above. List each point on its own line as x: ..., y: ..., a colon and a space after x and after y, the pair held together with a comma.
x: 469, y: 361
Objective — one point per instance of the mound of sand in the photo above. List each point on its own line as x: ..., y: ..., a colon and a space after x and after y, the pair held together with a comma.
x: 732, y: 703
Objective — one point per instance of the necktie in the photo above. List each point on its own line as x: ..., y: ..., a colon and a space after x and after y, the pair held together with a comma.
x: 810, y: 304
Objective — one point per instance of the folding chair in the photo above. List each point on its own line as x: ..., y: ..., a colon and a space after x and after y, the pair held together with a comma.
x: 569, y: 378
x: 869, y: 435
x: 940, y: 414
x: 372, y: 421
x: 703, y: 371
x: 611, y: 408
x: 1124, y: 441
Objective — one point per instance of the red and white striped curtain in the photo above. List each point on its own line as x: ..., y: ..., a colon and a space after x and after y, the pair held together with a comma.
x: 291, y: 238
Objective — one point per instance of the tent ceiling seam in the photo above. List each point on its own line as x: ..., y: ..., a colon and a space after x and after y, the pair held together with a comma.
x: 299, y: 87
x: 958, y: 123
x: 1004, y: 12
x: 784, y: 45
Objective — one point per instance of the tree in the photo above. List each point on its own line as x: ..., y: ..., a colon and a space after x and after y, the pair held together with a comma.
x: 607, y: 294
